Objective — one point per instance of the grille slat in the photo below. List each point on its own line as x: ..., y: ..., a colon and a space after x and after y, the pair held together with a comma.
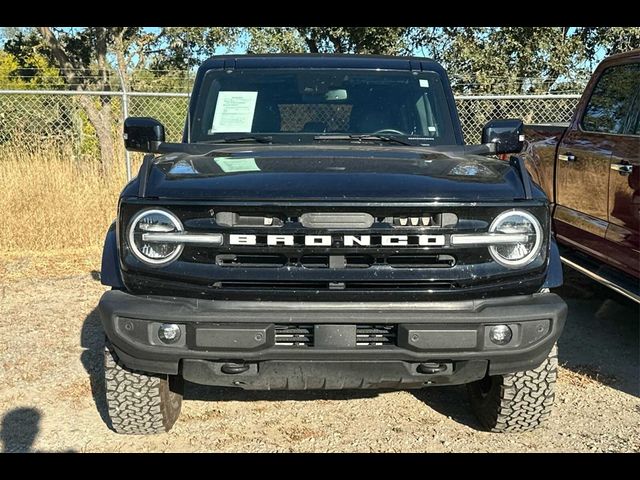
x: 255, y: 261
x: 302, y: 336
x: 375, y: 335
x: 294, y: 335
x: 421, y: 261
x: 258, y: 260
x: 349, y: 285
x: 349, y: 261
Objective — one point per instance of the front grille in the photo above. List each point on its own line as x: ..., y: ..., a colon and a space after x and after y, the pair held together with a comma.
x: 405, y: 255
x: 376, y: 335
x: 294, y: 335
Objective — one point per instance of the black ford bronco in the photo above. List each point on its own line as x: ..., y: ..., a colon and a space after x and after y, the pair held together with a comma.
x: 322, y: 225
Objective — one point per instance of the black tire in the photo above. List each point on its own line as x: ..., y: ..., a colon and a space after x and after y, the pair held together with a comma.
x: 516, y: 402
x: 139, y: 403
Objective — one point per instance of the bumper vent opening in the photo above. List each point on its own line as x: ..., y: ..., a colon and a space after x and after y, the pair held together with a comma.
x: 376, y: 335
x: 294, y: 335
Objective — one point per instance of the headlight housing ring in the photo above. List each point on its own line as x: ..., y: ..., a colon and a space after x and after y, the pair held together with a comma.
x: 154, y: 220
x: 516, y: 255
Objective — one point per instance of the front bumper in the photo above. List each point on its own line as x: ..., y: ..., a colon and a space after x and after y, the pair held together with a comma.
x: 434, y: 342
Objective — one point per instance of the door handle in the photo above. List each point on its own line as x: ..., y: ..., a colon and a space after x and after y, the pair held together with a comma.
x: 622, y: 168
x: 567, y: 157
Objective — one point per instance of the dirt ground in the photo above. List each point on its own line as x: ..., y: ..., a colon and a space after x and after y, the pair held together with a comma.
x: 51, y: 391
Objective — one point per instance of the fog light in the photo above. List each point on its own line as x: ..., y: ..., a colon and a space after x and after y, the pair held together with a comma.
x: 500, y: 334
x: 169, y: 332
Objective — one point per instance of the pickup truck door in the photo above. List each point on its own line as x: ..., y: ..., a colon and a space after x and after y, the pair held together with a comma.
x: 585, y: 156
x: 624, y: 195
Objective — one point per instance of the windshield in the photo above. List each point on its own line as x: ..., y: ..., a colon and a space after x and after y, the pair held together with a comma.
x: 310, y: 105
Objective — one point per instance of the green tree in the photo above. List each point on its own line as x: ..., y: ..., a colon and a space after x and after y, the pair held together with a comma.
x: 82, y: 57
x: 186, y: 47
x: 610, y: 39
x: 520, y: 60
x: 363, y: 40
x: 31, y: 67
x: 8, y: 33
x: 275, y: 40
x: 99, y: 58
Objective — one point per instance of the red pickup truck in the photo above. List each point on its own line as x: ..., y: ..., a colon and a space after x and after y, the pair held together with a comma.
x: 590, y: 170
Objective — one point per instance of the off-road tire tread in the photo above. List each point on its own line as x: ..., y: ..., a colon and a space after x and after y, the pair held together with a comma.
x: 517, y: 402
x: 139, y: 403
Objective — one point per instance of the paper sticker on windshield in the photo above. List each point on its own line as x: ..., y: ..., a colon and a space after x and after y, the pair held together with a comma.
x: 232, y: 165
x: 234, y: 112
x: 424, y: 83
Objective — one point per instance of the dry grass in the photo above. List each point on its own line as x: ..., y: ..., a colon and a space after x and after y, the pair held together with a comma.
x: 55, y: 209
x: 48, y: 263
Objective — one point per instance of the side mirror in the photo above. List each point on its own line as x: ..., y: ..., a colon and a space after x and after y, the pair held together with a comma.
x: 506, y: 135
x: 143, y: 134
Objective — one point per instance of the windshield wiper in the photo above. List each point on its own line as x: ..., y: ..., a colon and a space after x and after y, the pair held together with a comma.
x: 364, y: 137
x: 245, y: 138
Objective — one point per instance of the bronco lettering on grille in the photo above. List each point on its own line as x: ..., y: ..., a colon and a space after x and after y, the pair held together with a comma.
x: 343, y: 240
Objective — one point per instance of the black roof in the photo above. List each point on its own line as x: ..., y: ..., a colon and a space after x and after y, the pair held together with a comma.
x: 321, y: 60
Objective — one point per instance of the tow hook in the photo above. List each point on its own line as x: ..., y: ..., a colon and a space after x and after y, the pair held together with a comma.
x: 431, y: 367
x: 234, y: 368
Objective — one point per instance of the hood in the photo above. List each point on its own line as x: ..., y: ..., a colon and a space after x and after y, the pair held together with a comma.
x: 321, y: 172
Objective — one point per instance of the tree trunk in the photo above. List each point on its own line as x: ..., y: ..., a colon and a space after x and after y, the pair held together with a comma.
x: 103, y: 121
x: 337, y: 44
x: 101, y: 117
x: 309, y: 39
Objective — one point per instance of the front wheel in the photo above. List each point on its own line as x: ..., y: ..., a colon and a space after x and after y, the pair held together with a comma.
x: 516, y: 402
x: 140, y: 403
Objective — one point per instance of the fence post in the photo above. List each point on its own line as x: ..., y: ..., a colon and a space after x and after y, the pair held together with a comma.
x: 125, y: 114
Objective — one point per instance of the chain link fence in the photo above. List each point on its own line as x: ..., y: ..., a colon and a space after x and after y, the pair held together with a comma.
x: 60, y: 117
x: 475, y: 111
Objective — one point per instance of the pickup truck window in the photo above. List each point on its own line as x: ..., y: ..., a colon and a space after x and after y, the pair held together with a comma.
x: 611, y: 99
x: 295, y: 105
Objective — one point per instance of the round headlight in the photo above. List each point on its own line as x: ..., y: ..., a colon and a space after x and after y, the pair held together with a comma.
x: 141, y: 232
x: 516, y: 254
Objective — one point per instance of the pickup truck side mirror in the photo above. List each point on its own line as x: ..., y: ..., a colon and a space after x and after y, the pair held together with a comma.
x: 506, y: 135
x: 143, y: 134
